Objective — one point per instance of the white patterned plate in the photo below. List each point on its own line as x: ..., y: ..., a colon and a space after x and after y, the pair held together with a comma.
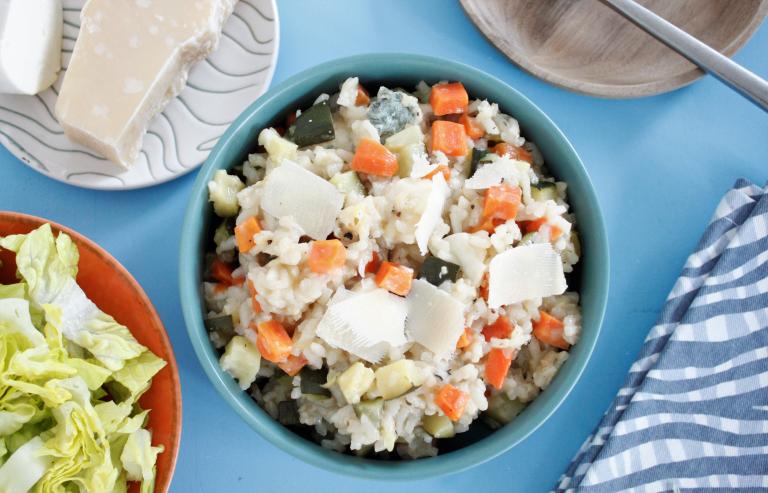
x: 179, y: 139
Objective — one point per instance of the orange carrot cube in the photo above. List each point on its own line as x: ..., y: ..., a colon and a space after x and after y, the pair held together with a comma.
x: 395, y: 278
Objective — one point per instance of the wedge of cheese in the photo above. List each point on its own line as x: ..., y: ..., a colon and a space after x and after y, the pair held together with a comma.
x: 130, y: 59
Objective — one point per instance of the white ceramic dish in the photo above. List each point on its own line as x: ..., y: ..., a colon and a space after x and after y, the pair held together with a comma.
x: 179, y: 139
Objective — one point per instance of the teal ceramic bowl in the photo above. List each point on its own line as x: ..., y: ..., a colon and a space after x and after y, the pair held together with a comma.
x: 477, y: 445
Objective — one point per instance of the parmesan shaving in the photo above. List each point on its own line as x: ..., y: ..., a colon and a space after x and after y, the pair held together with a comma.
x: 435, y: 318
x: 525, y: 273
x: 315, y: 208
x: 365, y: 324
x: 433, y: 212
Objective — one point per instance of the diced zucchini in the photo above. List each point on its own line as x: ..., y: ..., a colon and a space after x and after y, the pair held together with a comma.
x: 242, y: 360
x: 348, y: 182
x: 277, y: 147
x: 223, y: 232
x: 396, y: 379
x: 315, y: 397
x: 355, y: 381
x: 438, y: 425
x: 288, y: 413
x: 477, y: 155
x: 410, y: 135
x: 436, y: 270
x: 407, y: 157
x: 372, y: 409
x: 313, y: 382
x: 222, y: 324
x: 314, y: 126
x: 544, y: 190
x: 222, y: 191
x: 527, y: 239
x: 502, y: 409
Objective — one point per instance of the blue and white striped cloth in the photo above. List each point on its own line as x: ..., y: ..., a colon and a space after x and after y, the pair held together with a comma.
x: 693, y: 412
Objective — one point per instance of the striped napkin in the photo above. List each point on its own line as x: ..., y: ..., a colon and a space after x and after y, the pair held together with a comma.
x: 693, y: 412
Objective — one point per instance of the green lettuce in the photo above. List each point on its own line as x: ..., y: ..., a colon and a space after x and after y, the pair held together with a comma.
x: 70, y: 380
x: 48, y: 265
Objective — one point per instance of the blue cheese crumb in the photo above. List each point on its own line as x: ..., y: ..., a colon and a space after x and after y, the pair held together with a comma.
x: 388, y: 113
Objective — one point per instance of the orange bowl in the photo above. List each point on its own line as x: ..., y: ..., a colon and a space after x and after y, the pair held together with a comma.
x: 117, y: 293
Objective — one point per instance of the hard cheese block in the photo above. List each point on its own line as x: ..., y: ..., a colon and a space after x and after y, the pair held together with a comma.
x: 130, y: 59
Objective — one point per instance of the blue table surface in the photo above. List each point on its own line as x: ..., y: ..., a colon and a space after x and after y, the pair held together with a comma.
x: 659, y: 166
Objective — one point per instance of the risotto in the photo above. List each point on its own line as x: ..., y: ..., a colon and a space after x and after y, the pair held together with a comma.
x: 388, y: 269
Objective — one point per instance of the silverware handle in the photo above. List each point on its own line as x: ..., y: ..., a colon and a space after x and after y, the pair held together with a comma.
x: 731, y: 73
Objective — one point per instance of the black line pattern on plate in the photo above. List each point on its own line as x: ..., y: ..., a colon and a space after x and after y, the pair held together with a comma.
x: 232, y: 74
x: 198, y: 117
x: 253, y: 34
x: 53, y: 148
x: 162, y: 146
x: 223, y: 91
x: 243, y: 47
x: 27, y: 155
x: 32, y: 120
x: 94, y: 173
x: 207, y: 145
x: 258, y: 11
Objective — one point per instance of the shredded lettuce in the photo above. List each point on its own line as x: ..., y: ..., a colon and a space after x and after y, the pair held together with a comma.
x: 70, y: 380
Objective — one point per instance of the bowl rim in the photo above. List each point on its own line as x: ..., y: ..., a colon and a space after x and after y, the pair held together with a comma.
x: 453, y: 462
x: 83, y: 241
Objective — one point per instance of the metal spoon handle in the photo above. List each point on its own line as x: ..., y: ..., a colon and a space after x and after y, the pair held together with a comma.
x: 731, y: 73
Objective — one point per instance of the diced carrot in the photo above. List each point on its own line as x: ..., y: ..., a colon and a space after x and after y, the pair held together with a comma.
x: 373, y: 158
x: 549, y: 330
x: 536, y: 224
x: 502, y: 202
x: 465, y: 339
x: 254, y: 302
x: 223, y: 273
x: 448, y: 98
x: 451, y: 401
x: 449, y: 138
x: 500, y: 329
x: 395, y: 278
x: 471, y: 126
x: 445, y: 170
x: 484, y: 287
x: 497, y: 366
x: 326, y: 255
x: 293, y: 364
x: 290, y: 118
x: 244, y: 233
x: 373, y: 265
x: 488, y: 224
x: 362, y: 98
x: 514, y: 152
x: 273, y: 342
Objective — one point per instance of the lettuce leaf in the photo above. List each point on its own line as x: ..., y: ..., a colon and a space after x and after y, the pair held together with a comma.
x: 49, y: 267
x: 70, y: 379
x: 24, y: 468
x: 138, y: 459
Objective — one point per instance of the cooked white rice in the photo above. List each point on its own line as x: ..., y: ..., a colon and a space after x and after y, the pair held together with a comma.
x: 383, y: 220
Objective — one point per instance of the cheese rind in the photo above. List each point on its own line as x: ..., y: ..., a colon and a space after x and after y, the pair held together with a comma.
x: 130, y: 59
x: 30, y: 45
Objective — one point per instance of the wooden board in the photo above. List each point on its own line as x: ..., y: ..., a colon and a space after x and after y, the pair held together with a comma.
x: 584, y: 46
